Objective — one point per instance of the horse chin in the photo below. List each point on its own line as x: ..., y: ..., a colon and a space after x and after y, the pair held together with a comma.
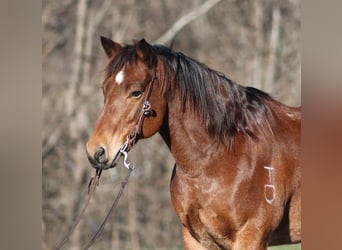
x: 102, y: 166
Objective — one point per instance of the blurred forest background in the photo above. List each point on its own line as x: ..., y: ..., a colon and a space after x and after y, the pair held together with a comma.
x: 254, y: 42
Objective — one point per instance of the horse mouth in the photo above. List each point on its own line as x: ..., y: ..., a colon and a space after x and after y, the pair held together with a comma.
x: 104, y: 165
x: 115, y: 159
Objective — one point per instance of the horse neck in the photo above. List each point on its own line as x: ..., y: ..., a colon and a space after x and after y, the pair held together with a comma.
x: 187, y: 138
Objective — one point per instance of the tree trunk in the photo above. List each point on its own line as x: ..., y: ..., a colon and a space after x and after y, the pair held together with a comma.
x: 77, y: 57
x: 273, y: 45
x: 259, y: 44
x: 77, y: 155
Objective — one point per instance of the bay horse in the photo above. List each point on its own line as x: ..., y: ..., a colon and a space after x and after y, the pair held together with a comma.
x: 237, y: 177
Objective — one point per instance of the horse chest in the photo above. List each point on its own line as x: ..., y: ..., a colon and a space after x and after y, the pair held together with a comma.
x: 210, y: 225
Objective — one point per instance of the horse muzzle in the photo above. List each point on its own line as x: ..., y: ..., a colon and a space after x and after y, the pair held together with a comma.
x: 100, y: 159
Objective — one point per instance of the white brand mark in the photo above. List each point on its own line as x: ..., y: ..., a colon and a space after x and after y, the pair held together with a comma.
x: 269, y: 188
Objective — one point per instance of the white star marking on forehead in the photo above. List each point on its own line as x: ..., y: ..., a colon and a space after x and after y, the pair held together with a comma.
x: 119, y: 77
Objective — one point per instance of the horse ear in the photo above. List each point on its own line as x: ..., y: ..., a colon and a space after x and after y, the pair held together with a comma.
x: 111, y: 48
x: 146, y: 53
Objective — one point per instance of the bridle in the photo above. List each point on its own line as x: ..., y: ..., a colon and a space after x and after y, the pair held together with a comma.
x: 135, y: 134
x: 146, y: 111
x: 137, y: 131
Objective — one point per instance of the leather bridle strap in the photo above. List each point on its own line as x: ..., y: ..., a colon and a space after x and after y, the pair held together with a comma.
x: 94, y: 181
x: 115, y: 203
x: 146, y: 111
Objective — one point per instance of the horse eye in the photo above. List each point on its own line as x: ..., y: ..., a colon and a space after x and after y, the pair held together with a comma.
x: 135, y: 94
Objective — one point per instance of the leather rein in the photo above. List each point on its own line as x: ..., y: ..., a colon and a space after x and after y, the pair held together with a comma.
x: 132, y: 138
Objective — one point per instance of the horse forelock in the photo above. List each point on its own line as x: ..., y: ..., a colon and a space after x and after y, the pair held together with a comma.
x: 126, y: 55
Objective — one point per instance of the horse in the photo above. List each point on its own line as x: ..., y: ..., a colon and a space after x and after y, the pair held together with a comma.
x: 236, y: 182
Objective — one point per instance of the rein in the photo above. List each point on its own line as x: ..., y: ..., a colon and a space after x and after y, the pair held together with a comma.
x: 130, y: 167
x: 132, y: 139
x: 94, y: 181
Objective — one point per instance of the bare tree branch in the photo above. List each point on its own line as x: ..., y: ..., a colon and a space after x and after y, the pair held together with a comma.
x: 55, y: 38
x: 50, y: 7
x: 185, y: 20
x: 51, y: 44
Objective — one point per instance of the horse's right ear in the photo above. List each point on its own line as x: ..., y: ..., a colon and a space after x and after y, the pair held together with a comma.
x: 146, y: 53
x: 111, y: 48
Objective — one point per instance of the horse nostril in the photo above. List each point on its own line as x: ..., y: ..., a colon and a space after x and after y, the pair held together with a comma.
x: 100, y: 155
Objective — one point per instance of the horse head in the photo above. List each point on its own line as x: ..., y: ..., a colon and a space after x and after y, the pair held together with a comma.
x: 130, y: 84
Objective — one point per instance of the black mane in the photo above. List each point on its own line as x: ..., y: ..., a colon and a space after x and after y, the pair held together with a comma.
x: 225, y: 107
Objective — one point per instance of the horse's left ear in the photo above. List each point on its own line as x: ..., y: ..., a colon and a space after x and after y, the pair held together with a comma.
x: 146, y: 53
x: 110, y: 47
